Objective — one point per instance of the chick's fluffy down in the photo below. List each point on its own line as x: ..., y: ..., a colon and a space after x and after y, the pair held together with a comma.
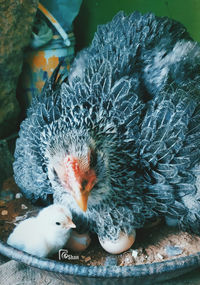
x: 45, y: 234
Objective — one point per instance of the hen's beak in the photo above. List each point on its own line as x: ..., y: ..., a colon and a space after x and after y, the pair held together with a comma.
x: 86, y: 187
x: 82, y: 201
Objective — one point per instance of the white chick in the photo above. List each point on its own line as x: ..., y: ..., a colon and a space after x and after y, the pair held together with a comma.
x: 45, y: 234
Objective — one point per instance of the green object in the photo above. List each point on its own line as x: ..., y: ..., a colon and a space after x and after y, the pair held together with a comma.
x: 95, y: 12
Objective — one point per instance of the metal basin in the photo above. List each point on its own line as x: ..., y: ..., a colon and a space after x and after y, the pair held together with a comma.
x: 96, y: 275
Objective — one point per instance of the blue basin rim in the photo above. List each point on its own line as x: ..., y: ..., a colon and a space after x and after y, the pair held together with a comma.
x: 191, y: 261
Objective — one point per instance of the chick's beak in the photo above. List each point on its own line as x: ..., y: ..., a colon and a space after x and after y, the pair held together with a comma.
x: 69, y: 224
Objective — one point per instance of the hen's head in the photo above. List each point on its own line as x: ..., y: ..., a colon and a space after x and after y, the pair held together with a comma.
x: 78, y: 177
x: 80, y: 170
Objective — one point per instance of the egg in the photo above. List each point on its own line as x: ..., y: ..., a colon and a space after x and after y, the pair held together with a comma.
x: 123, y: 243
x: 78, y: 242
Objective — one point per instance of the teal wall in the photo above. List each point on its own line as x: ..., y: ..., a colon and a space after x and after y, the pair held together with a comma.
x: 95, y: 12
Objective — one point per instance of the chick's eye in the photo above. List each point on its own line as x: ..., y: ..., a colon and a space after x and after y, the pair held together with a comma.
x: 57, y: 223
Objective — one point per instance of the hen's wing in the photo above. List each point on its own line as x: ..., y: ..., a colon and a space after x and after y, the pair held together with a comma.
x: 169, y: 150
x: 30, y: 169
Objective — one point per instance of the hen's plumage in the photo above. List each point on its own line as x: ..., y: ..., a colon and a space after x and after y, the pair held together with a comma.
x: 123, y: 130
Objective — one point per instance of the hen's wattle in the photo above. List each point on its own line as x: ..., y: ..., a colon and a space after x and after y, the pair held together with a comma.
x: 120, y: 138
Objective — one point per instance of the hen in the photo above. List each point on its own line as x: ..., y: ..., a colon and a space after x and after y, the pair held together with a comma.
x: 119, y: 141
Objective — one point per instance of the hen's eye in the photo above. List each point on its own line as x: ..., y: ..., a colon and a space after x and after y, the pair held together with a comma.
x: 57, y: 223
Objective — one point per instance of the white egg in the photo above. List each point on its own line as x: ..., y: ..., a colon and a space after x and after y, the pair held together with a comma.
x: 118, y: 246
x: 78, y: 242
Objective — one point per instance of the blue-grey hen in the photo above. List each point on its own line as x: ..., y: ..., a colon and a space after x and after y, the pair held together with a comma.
x: 119, y: 141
